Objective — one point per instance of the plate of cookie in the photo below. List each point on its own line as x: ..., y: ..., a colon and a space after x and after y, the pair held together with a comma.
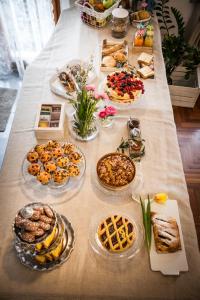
x: 54, y: 166
x: 116, y: 236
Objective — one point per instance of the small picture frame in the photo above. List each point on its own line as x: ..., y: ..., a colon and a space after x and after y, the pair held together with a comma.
x: 49, y: 122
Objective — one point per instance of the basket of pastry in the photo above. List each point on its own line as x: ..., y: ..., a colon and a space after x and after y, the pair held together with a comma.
x: 124, y: 87
x: 44, y: 239
x: 53, y: 164
x: 113, y: 55
x: 96, y: 13
x: 115, y: 171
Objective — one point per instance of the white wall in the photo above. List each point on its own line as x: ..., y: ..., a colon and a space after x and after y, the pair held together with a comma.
x: 185, y: 7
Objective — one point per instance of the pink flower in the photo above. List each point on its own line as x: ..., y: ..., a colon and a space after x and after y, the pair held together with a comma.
x: 110, y: 111
x: 90, y: 87
x: 103, y: 96
x: 102, y: 114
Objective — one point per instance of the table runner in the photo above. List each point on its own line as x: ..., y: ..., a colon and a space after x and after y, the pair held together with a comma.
x: 85, y: 276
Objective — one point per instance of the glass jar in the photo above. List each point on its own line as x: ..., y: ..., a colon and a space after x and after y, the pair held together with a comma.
x: 119, y: 22
x: 148, y: 42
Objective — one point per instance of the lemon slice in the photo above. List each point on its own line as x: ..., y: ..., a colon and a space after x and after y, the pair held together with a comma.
x: 161, y: 198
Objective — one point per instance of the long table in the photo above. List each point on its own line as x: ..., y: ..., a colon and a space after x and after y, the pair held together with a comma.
x: 84, y: 276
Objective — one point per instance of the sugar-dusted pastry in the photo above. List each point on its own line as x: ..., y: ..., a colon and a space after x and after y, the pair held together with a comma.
x: 166, y: 233
x: 44, y: 177
x: 62, y: 161
x: 32, y: 156
x: 38, y: 232
x: 109, y: 61
x: 116, y: 233
x: 40, y: 148
x: 45, y: 219
x: 68, y: 148
x: 48, y: 212
x: 60, y: 176
x: 44, y: 226
x: 30, y: 225
x: 45, y: 156
x: 73, y: 170
x: 50, y: 166
x: 52, y: 144
x: 35, y: 215
x: 75, y: 157
x: 28, y: 237
x: 19, y: 221
x: 34, y: 169
x: 57, y: 152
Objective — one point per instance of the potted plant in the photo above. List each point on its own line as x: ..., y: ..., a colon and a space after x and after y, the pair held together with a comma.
x: 181, y: 59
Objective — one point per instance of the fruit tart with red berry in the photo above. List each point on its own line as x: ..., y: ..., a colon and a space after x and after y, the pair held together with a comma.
x: 124, y: 87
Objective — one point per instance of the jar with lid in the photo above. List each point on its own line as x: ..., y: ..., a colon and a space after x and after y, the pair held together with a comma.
x: 119, y: 22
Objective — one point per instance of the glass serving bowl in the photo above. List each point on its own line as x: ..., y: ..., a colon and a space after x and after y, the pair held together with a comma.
x: 124, y: 256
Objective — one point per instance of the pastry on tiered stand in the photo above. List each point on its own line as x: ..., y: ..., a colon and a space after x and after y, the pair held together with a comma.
x: 44, y: 239
x: 116, y: 233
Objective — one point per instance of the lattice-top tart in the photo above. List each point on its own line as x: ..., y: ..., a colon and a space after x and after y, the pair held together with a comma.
x: 115, y: 170
x: 116, y: 233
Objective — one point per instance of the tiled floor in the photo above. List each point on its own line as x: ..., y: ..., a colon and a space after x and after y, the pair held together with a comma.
x: 11, y: 82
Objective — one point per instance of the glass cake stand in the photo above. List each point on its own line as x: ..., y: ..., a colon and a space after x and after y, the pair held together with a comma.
x: 124, y: 256
x: 52, y: 193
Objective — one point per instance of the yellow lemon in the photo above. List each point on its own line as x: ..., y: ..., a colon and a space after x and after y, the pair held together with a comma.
x: 161, y: 198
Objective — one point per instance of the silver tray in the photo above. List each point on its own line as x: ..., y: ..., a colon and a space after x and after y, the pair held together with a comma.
x: 29, y: 261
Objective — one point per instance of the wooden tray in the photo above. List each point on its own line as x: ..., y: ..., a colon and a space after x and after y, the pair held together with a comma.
x: 108, y: 44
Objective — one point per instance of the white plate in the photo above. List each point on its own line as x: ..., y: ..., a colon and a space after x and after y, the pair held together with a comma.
x: 168, y: 263
x: 56, y: 86
x: 119, y: 105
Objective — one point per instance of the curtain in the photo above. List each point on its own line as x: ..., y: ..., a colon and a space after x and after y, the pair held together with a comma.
x: 25, y: 27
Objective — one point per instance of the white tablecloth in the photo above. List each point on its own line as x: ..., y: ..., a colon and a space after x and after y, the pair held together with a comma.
x: 84, y: 276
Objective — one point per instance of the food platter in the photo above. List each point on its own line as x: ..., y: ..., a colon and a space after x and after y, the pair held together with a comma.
x: 118, y: 101
x: 70, y: 185
x: 57, y: 87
